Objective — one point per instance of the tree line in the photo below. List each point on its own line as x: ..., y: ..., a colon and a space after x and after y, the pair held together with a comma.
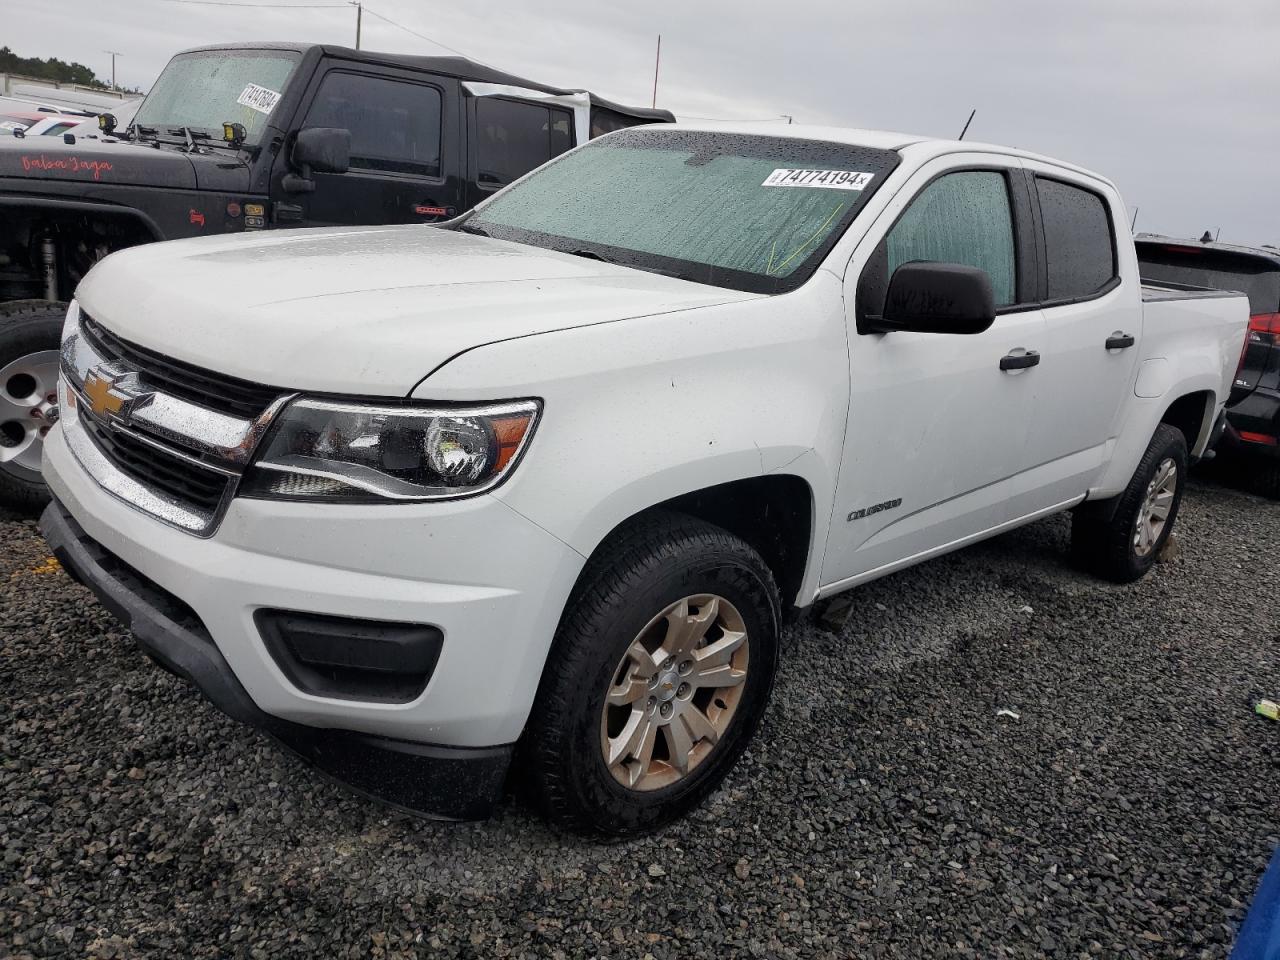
x: 48, y: 69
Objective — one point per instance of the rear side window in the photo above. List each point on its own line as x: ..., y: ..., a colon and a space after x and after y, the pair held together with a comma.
x: 962, y: 217
x: 395, y: 125
x: 1080, y: 244
x: 1258, y: 278
x: 513, y: 138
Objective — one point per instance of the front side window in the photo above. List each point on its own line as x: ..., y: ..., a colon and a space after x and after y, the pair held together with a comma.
x: 203, y: 90
x: 963, y: 217
x: 1080, y: 248
x: 394, y: 124
x: 746, y: 212
x: 513, y: 138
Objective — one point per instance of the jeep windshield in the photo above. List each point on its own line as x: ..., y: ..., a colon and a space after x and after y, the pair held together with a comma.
x: 207, y: 88
x: 747, y: 212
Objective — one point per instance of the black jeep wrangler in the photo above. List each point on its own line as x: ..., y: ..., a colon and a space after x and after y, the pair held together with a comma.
x: 254, y: 137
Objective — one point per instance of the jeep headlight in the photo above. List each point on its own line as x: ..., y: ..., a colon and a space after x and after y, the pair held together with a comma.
x: 370, y: 453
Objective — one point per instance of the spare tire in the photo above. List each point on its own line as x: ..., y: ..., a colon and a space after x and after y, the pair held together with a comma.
x: 30, y: 333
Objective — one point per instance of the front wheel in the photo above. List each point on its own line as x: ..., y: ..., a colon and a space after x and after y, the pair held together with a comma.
x: 657, y: 679
x: 1124, y: 546
x: 30, y: 331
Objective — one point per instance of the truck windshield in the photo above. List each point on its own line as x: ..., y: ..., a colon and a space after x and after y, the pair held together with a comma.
x: 205, y: 89
x: 746, y: 212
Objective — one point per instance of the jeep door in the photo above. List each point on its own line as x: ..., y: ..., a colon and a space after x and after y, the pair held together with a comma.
x: 938, y: 424
x: 406, y: 149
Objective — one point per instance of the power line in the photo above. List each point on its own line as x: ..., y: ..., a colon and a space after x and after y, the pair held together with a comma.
x: 420, y: 36
x: 278, y: 6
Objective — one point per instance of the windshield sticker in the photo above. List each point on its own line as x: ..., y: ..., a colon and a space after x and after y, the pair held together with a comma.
x: 258, y: 98
x: 93, y: 168
x: 821, y: 179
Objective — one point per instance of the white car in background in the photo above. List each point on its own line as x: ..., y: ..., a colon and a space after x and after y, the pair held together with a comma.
x: 553, y: 474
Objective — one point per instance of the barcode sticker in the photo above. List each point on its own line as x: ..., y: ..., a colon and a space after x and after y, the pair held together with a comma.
x: 820, y: 179
x: 258, y: 98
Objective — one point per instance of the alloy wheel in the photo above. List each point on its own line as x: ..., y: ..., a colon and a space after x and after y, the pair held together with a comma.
x: 675, y: 692
x: 1153, y: 515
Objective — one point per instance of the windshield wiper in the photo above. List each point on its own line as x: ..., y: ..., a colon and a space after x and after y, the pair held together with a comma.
x: 478, y: 231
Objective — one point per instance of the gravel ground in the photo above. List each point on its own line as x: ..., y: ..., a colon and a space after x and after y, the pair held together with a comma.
x: 885, y: 810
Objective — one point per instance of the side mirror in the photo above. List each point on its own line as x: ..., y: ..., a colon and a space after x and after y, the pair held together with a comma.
x: 319, y: 150
x: 323, y: 149
x: 929, y: 297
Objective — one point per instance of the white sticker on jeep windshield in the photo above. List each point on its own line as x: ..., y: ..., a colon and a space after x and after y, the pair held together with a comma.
x: 822, y: 179
x: 258, y: 98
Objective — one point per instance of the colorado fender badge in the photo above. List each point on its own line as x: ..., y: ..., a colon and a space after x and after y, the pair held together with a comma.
x: 876, y: 508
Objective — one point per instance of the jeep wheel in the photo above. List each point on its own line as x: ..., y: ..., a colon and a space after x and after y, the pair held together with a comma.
x: 30, y: 331
x: 1124, y: 547
x: 657, y: 679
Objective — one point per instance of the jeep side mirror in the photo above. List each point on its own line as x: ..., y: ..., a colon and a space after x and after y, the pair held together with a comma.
x: 319, y: 150
x: 929, y: 297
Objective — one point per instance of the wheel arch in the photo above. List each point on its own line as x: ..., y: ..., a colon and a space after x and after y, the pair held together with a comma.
x: 773, y: 513
x: 1192, y: 414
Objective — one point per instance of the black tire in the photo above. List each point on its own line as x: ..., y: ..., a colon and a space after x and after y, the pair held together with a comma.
x: 26, y: 327
x: 1105, y: 544
x: 1268, y: 480
x: 635, y: 575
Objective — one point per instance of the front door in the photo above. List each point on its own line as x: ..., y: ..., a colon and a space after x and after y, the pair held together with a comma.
x: 405, y: 150
x: 936, y: 427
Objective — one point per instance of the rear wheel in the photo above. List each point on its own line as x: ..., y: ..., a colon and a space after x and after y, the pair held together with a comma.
x: 30, y: 331
x: 1124, y: 546
x: 657, y: 679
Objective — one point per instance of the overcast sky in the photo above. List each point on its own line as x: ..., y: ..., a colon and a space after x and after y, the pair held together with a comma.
x: 1175, y: 100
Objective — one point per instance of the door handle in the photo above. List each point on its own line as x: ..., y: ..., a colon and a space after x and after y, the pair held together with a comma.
x: 1019, y: 361
x: 1120, y: 341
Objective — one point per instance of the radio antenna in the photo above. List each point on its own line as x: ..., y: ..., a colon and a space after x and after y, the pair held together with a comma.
x: 966, y: 123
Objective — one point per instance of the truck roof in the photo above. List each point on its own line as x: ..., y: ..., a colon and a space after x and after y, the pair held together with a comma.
x: 924, y: 146
x: 460, y: 68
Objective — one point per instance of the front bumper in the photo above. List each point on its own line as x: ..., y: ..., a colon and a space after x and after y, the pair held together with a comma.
x: 491, y: 582
x: 449, y: 782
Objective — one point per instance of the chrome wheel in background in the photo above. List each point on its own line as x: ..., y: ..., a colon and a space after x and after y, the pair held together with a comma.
x: 28, y: 408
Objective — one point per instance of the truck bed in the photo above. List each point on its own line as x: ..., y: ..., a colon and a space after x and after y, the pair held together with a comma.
x: 1153, y: 291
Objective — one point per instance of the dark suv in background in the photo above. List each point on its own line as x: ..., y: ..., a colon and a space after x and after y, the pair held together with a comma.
x: 243, y: 137
x: 1252, y: 435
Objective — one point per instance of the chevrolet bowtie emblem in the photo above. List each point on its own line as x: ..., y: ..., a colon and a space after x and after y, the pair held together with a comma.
x: 114, y: 393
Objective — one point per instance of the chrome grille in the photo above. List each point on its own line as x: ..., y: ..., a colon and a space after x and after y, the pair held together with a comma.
x: 168, y: 438
x: 230, y: 395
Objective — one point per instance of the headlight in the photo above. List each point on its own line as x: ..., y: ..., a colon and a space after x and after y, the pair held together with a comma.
x: 322, y: 450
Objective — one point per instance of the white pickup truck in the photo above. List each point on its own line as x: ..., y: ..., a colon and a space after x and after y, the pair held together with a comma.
x: 544, y: 482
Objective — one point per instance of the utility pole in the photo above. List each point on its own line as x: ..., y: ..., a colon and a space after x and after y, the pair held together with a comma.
x: 114, y: 54
x: 359, y: 16
x: 656, y: 60
x: 790, y: 118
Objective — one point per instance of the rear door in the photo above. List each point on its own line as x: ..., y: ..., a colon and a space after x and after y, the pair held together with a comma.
x: 508, y: 138
x: 1092, y: 329
x: 405, y: 148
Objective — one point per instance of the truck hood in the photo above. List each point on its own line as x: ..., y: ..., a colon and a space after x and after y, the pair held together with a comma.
x: 95, y: 161
x: 362, y: 310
